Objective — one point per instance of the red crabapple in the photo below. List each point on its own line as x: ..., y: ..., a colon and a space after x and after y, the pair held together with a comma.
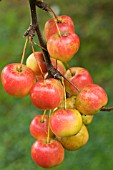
x: 91, y: 99
x: 65, y: 24
x: 17, y: 79
x: 47, y: 155
x: 47, y: 94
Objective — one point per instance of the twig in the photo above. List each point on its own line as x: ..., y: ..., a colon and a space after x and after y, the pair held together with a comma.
x: 45, y: 7
x: 107, y: 108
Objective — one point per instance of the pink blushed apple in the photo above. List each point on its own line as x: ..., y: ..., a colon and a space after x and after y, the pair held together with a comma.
x: 17, y: 79
x: 65, y: 122
x: 91, y: 99
x: 47, y: 155
x: 63, y: 47
x: 47, y: 94
x: 39, y: 127
x: 79, y: 76
x: 65, y: 24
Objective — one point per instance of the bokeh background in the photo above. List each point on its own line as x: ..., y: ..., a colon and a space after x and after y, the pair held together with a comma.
x: 94, y: 24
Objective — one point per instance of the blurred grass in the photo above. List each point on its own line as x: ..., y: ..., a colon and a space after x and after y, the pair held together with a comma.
x: 93, y: 23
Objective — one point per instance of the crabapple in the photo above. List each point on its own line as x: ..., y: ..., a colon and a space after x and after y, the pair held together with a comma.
x: 91, y: 99
x: 47, y: 155
x: 47, y: 94
x: 63, y: 47
x: 79, y: 76
x: 65, y: 24
x: 36, y: 63
x: 17, y: 79
x: 39, y: 127
x: 65, y: 122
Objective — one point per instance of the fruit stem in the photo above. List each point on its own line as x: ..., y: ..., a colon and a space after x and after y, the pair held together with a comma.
x: 55, y: 20
x: 42, y: 120
x: 56, y: 63
x: 48, y: 135
x: 53, y: 14
x: 23, y: 54
x: 57, y: 28
x: 64, y: 93
x: 45, y: 7
x: 39, y: 46
x: 71, y: 83
x: 36, y: 60
x: 69, y: 69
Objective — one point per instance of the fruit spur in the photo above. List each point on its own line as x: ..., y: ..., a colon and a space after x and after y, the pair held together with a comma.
x: 67, y: 96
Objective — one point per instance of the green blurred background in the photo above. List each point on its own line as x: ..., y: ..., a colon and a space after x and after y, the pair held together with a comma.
x: 94, y: 25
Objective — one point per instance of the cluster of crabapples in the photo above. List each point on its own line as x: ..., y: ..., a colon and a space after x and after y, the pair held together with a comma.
x: 65, y: 127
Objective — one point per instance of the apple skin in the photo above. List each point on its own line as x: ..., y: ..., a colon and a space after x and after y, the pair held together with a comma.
x: 47, y: 94
x: 70, y: 103
x: 16, y: 82
x: 39, y: 127
x: 33, y: 60
x: 79, y: 76
x: 47, y: 155
x: 91, y: 99
x: 40, y: 77
x: 59, y: 66
x: 65, y: 24
x: 63, y: 47
x: 77, y: 141
x: 65, y: 122
x: 87, y: 119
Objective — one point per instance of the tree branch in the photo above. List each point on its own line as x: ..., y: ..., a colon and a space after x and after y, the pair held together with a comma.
x: 45, y: 7
x: 42, y: 5
x: 106, y: 108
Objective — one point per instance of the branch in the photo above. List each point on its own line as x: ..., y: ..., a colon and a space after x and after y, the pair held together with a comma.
x: 42, y: 5
x: 45, y: 7
x: 106, y: 108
